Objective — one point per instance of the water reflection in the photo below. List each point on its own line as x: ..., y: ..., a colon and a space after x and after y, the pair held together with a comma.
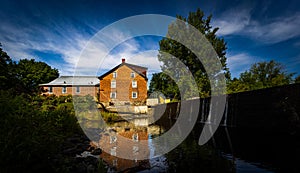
x: 188, y: 154
x: 130, y: 139
x: 231, y: 149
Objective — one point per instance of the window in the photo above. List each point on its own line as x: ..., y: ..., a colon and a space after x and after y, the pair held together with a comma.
x: 114, y: 74
x: 113, y: 95
x: 113, y: 84
x: 132, y: 74
x: 50, y: 90
x: 134, y: 95
x: 64, y: 89
x: 134, y: 84
x: 77, y: 89
x: 113, y: 151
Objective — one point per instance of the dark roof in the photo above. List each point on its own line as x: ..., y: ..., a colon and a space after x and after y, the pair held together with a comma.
x: 136, y: 68
x: 74, y: 80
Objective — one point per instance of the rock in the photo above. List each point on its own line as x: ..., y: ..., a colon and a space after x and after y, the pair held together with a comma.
x: 96, y: 151
x: 90, y: 168
x: 79, y: 168
x: 91, y: 148
x: 83, y: 147
x: 79, y: 160
x: 90, y: 160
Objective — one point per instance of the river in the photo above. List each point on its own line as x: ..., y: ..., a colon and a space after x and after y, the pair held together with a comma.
x: 230, y: 149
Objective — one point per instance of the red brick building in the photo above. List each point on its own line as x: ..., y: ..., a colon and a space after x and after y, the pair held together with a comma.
x: 124, y: 84
x: 74, y: 85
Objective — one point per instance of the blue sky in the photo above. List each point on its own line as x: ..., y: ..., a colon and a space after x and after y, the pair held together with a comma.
x: 56, y: 32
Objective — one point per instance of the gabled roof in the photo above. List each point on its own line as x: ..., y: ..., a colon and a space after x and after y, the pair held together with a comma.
x: 74, y: 80
x: 136, y: 68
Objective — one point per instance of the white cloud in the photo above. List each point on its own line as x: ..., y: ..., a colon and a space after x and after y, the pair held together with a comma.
x: 79, y: 51
x: 232, y: 21
x: 279, y: 30
x: 97, y: 58
x: 241, y: 62
x: 147, y: 59
x: 23, y: 41
x: 240, y: 22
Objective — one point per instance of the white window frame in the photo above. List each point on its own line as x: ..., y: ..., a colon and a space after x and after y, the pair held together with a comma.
x: 77, y: 89
x: 132, y: 74
x: 114, y: 74
x: 136, y: 95
x: 113, y: 84
x: 111, y: 95
x: 50, y: 89
x: 62, y: 89
x: 134, y: 84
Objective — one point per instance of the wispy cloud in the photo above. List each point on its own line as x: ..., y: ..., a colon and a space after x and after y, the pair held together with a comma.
x: 233, y: 21
x: 281, y: 29
x: 23, y: 40
x: 77, y: 49
x: 97, y: 58
x: 241, y: 62
x: 240, y: 22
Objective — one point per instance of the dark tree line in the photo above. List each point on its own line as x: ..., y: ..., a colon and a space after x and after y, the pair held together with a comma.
x: 261, y: 75
x: 24, y: 76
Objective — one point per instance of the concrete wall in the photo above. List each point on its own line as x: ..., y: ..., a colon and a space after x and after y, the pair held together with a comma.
x: 273, y: 109
x: 276, y: 108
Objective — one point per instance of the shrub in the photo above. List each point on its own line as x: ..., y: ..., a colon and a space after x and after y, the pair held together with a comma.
x: 31, y: 133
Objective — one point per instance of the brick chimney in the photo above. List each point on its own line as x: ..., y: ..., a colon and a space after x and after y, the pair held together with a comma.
x: 123, y: 60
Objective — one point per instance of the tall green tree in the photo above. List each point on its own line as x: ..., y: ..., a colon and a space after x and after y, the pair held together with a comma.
x: 190, y: 60
x: 30, y: 74
x: 24, y: 76
x: 261, y: 75
x: 5, y: 70
x: 166, y: 85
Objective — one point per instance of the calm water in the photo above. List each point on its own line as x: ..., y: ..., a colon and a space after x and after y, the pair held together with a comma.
x: 230, y: 150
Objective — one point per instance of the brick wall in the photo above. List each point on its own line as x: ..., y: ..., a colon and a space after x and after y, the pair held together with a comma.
x: 71, y: 90
x: 123, y: 87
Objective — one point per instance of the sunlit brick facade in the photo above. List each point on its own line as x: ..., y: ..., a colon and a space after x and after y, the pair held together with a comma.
x: 124, y: 84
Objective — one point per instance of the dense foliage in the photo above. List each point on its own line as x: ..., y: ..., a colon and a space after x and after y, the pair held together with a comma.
x: 169, y: 48
x: 29, y: 74
x: 24, y: 76
x: 163, y: 83
x: 261, y: 75
x: 5, y: 72
x: 34, y: 128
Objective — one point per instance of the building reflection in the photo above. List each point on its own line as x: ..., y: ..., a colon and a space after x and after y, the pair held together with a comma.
x: 126, y: 147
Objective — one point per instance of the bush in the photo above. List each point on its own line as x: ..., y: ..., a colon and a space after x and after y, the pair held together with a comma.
x: 32, y: 133
x: 110, y: 117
